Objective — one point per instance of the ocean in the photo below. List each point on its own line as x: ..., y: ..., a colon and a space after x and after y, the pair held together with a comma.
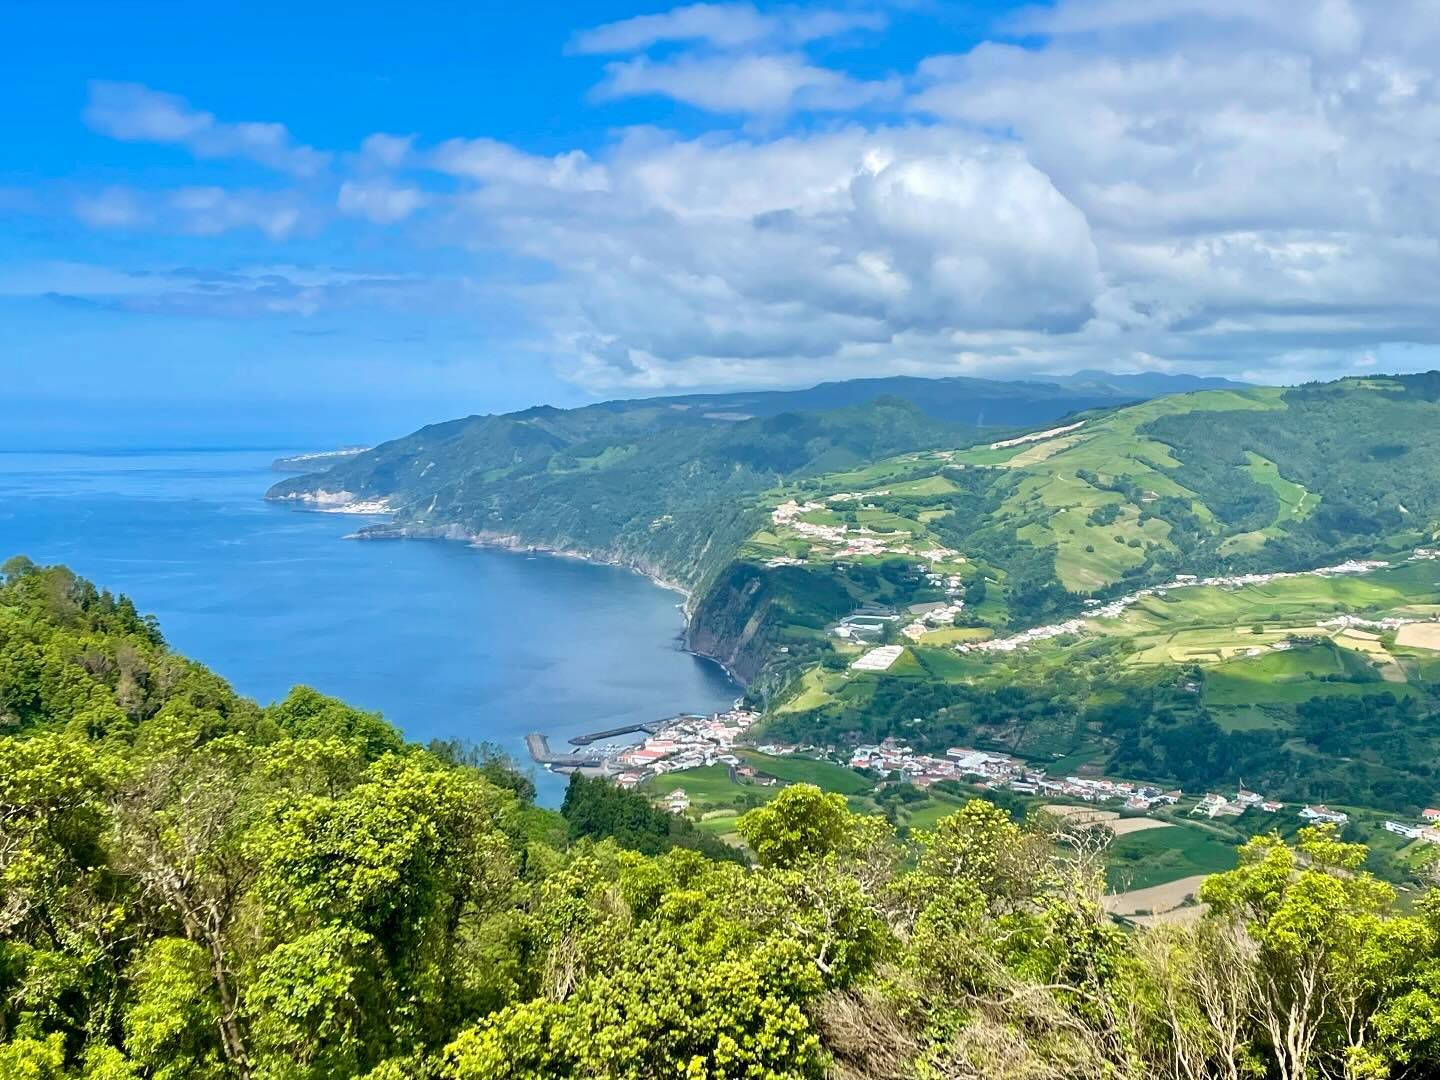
x: 447, y: 641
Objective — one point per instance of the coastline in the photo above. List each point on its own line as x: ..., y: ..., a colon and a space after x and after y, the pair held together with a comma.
x: 337, y: 503
x: 508, y: 542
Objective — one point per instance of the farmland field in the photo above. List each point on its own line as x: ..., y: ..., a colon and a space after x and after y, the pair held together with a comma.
x: 1420, y: 636
x: 1156, y: 898
x: 1140, y: 860
x: 709, y: 787
x: 803, y: 770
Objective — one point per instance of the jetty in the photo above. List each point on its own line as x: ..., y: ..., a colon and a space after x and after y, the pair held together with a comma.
x: 648, y: 727
x: 540, y: 752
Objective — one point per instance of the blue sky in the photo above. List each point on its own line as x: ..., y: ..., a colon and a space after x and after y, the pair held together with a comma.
x: 302, y: 224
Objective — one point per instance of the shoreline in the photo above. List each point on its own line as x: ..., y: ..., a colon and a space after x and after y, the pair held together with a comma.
x: 504, y: 542
x: 509, y: 542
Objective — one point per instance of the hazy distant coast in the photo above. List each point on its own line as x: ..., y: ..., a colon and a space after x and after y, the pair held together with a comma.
x: 316, y: 460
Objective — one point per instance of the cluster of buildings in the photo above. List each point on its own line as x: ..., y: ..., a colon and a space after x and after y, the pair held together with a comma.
x: 849, y: 541
x: 1428, y: 830
x: 951, y: 583
x: 693, y: 741
x: 1025, y: 637
x: 922, y: 770
x: 1213, y: 805
x: 1134, y: 796
x: 932, y: 616
x: 1353, y: 622
x: 687, y: 743
x: 845, y: 539
x: 987, y: 769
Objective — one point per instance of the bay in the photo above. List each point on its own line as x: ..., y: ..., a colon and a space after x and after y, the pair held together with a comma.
x: 447, y: 641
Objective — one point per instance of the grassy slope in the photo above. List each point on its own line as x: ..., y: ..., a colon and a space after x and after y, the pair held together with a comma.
x: 1076, y: 493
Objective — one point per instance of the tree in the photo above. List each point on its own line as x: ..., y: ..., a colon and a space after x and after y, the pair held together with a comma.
x: 1328, y: 949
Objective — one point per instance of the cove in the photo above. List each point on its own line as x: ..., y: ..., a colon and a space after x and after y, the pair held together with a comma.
x: 446, y: 640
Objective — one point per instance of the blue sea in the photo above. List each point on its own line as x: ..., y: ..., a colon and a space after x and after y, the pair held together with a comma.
x: 447, y: 641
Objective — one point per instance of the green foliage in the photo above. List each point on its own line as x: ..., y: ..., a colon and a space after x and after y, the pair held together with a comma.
x: 208, y: 889
x: 596, y: 808
x: 308, y: 714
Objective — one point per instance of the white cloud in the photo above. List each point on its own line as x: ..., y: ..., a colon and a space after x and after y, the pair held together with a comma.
x: 1328, y: 26
x: 134, y: 113
x: 197, y: 211
x: 1222, y: 186
x: 379, y: 200
x: 722, y: 26
x: 493, y: 161
x: 760, y: 84
x: 804, y: 255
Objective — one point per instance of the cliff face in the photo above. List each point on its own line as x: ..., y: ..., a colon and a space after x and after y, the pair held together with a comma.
x: 734, y: 621
x: 764, y: 621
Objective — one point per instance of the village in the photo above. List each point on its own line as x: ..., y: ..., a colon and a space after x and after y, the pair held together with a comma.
x: 844, y: 540
x: 691, y: 742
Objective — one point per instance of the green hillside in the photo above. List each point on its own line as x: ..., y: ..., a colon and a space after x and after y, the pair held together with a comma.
x: 197, y: 887
x: 1202, y: 483
x: 1200, y: 686
x: 668, y: 484
x: 786, y: 524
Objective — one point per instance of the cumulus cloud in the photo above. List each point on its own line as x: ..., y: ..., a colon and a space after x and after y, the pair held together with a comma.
x: 724, y: 26
x: 1262, y: 181
x: 1222, y: 186
x: 704, y: 259
x: 134, y: 113
x: 760, y: 84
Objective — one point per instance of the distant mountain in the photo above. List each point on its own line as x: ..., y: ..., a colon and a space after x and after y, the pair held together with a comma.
x: 667, y: 484
x: 1142, y: 384
x: 960, y: 400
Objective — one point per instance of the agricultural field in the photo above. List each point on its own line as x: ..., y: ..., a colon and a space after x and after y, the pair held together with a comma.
x: 798, y: 769
x: 1188, y: 685
x: 1140, y: 860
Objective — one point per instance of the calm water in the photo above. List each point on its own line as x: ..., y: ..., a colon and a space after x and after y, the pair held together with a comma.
x: 445, y: 640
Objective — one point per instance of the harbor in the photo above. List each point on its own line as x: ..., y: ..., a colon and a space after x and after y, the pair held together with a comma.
x: 683, y: 741
x: 649, y: 727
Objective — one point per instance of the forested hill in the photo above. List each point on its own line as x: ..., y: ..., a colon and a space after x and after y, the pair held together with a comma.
x: 666, y: 484
x: 194, y: 887
x: 674, y: 500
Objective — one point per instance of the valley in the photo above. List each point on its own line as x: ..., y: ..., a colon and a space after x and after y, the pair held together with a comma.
x: 1169, y: 591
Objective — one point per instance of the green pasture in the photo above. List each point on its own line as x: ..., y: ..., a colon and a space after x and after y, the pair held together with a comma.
x: 1140, y: 860
x: 796, y: 769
